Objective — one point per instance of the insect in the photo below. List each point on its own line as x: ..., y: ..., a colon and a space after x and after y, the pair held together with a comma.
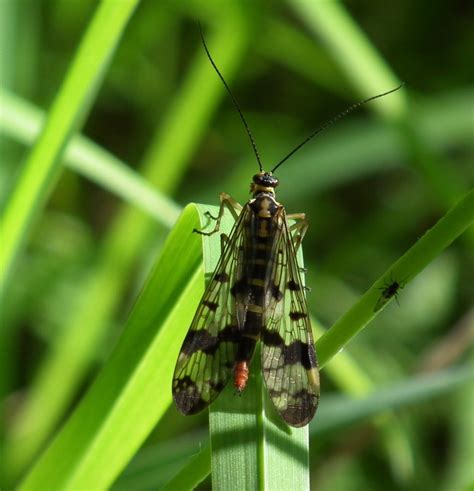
x: 255, y: 294
x: 389, y: 290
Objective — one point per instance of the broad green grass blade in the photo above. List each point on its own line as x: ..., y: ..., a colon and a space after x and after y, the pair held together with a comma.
x: 53, y: 388
x: 252, y: 448
x: 133, y: 390
x: 23, y: 122
x: 431, y: 245
x: 69, y: 109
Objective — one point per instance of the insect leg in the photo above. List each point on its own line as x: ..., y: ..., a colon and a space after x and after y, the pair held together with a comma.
x: 298, y: 229
x: 226, y: 202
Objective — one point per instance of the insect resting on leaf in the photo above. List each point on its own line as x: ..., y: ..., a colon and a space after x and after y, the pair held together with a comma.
x: 389, y: 290
x: 256, y: 293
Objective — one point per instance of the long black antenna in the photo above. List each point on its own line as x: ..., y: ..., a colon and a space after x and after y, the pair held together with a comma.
x: 236, y: 104
x: 332, y: 121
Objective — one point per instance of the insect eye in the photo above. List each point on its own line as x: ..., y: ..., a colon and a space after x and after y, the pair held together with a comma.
x: 265, y: 180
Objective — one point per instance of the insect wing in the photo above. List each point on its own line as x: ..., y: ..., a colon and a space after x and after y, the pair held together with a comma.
x: 381, y: 301
x: 208, y: 351
x: 289, y: 363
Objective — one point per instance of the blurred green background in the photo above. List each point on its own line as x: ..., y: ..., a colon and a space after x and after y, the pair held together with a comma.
x: 371, y: 186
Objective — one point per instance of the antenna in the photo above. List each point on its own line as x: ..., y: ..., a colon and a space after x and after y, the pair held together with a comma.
x: 234, y: 100
x: 333, y: 120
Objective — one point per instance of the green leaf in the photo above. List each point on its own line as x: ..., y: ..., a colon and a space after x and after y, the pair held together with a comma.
x: 252, y: 448
x: 133, y: 390
x: 430, y: 246
x: 70, y: 107
x: 196, y: 471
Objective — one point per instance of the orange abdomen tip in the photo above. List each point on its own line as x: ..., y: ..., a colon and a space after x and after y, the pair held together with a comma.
x: 241, y: 375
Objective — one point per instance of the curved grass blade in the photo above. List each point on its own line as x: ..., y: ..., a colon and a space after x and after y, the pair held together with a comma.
x: 430, y: 246
x: 69, y: 110
x: 23, y: 121
x: 133, y: 390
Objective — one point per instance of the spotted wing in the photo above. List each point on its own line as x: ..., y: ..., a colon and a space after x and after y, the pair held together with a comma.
x: 208, y: 351
x: 289, y: 362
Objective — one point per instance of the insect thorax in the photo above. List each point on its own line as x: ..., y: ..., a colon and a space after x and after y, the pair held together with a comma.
x: 264, y: 205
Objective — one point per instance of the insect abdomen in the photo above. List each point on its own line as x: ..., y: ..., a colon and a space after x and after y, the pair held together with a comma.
x: 241, y: 375
x: 252, y: 291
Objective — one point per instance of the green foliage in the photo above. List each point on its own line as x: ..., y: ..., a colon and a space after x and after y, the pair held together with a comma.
x: 89, y: 335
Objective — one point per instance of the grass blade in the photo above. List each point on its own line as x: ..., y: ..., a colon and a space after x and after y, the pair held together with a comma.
x: 122, y: 406
x: 197, y: 469
x: 23, y: 122
x: 70, y: 107
x: 355, y: 54
x: 252, y: 448
x: 341, y: 411
x: 366, y: 69
x: 440, y: 236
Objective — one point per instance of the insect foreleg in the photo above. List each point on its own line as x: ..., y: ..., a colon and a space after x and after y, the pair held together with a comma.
x: 226, y: 202
x: 298, y: 229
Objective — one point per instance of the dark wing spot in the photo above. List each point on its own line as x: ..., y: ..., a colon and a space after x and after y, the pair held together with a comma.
x: 240, y: 288
x: 299, y: 352
x: 199, y: 341
x: 211, y: 305
x: 229, y: 334
x: 187, y: 396
x: 301, y: 413
x: 296, y: 352
x: 274, y: 394
x: 295, y: 316
x: 222, y: 277
x: 272, y: 338
x: 276, y: 293
x: 189, y: 403
x: 293, y: 286
x: 217, y: 386
x: 183, y: 383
